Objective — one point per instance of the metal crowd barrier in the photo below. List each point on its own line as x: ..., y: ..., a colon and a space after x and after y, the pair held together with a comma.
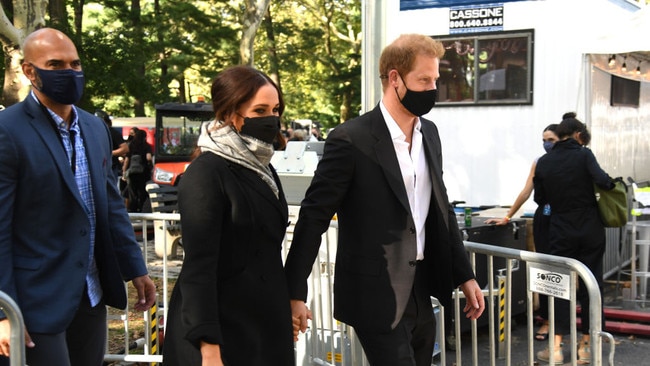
x: 17, y: 335
x: 143, y: 223
x: 539, y: 271
x: 331, y: 343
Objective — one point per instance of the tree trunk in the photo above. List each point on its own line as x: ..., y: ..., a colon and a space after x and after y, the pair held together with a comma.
x: 255, y: 10
x: 274, y: 72
x: 28, y: 15
x: 164, y: 67
x: 14, y: 88
x: 78, y: 6
x: 138, y: 103
x: 59, y: 16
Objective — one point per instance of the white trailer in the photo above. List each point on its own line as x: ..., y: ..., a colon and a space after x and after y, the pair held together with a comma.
x: 488, y: 150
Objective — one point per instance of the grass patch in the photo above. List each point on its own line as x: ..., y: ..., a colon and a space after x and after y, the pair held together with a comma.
x: 135, y: 320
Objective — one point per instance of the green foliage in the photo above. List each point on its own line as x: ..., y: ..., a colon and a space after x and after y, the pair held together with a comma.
x: 128, y: 57
x: 134, y: 57
x: 319, y: 50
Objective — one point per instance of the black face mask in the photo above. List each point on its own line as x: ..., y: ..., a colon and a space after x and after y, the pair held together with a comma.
x: 62, y: 86
x: 262, y: 128
x: 418, y: 103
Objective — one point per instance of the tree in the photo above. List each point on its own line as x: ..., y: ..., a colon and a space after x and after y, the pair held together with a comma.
x: 59, y: 16
x: 317, y: 44
x: 28, y: 15
x: 139, y: 53
x: 253, y: 15
x: 181, y: 46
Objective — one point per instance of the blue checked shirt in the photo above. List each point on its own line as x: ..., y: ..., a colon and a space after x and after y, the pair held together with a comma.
x: 82, y: 177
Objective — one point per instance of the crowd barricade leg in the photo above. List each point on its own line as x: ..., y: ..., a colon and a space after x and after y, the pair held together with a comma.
x: 329, y: 342
x: 151, y: 342
x: 17, y: 335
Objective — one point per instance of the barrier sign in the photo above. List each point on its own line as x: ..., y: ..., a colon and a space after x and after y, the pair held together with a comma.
x: 551, y: 281
x: 478, y: 18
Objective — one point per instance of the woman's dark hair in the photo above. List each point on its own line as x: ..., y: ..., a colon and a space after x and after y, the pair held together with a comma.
x: 571, y: 125
x: 139, y: 141
x: 237, y: 85
x: 569, y: 115
x: 104, y: 116
x: 552, y: 127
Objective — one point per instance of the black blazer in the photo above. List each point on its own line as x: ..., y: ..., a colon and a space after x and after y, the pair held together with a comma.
x: 359, y: 179
x: 232, y: 289
x: 44, y: 230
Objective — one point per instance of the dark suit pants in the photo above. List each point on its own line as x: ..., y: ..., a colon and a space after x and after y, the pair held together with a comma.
x: 82, y: 344
x: 412, y: 341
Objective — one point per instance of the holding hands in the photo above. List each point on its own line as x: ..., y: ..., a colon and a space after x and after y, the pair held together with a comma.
x: 299, y: 314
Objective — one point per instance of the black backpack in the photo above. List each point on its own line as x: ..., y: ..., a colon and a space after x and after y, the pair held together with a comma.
x: 136, y: 164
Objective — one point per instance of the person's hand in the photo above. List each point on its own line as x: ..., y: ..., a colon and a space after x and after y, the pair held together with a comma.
x: 474, y: 301
x: 498, y: 222
x: 5, y: 338
x: 146, y: 292
x: 300, y: 314
x: 210, y: 354
x: 296, y: 327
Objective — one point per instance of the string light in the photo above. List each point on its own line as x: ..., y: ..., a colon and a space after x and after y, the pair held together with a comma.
x: 638, y: 68
x: 612, y: 60
x: 624, y: 67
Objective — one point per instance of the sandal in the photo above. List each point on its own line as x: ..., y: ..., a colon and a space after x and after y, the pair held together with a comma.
x: 541, y: 336
x: 542, y: 333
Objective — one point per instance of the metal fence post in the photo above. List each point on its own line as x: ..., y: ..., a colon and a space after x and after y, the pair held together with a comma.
x: 17, y: 336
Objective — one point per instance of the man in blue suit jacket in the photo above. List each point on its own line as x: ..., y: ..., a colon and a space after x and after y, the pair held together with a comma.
x: 66, y: 241
x: 398, y: 241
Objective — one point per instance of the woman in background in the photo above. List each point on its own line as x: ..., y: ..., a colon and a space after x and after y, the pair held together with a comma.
x: 540, y: 222
x: 565, y: 179
x: 230, y: 305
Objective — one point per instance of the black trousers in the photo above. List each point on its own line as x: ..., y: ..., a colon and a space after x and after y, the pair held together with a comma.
x: 578, y: 235
x: 412, y: 341
x: 81, y: 344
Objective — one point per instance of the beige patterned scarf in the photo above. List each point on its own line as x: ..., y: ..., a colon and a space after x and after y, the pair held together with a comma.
x: 246, y: 151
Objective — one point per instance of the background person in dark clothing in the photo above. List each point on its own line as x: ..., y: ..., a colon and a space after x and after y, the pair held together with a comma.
x: 564, y: 178
x: 139, y: 152
x: 540, y: 223
x: 120, y: 147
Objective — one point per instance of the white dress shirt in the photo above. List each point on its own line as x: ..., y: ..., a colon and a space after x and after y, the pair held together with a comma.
x: 415, y: 173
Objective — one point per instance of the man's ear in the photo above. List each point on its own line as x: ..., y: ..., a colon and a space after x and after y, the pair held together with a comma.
x: 393, y: 78
x: 29, y: 71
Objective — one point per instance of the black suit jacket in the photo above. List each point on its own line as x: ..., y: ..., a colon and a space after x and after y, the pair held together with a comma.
x: 44, y: 230
x: 359, y: 179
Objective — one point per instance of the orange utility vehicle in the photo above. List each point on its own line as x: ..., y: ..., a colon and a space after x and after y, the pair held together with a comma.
x: 177, y: 129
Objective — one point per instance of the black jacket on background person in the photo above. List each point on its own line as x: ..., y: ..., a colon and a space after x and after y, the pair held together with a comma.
x: 565, y: 178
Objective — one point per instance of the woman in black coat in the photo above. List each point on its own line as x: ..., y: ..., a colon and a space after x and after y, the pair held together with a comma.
x: 565, y: 179
x: 230, y: 305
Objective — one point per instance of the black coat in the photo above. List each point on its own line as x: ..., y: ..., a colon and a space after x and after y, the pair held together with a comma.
x: 565, y: 178
x: 232, y: 289
x: 359, y: 178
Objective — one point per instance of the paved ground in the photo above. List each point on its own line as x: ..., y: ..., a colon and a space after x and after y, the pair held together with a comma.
x: 630, y: 350
x: 155, y: 263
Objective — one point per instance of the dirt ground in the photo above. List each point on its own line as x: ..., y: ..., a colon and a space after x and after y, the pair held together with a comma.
x: 136, y: 323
